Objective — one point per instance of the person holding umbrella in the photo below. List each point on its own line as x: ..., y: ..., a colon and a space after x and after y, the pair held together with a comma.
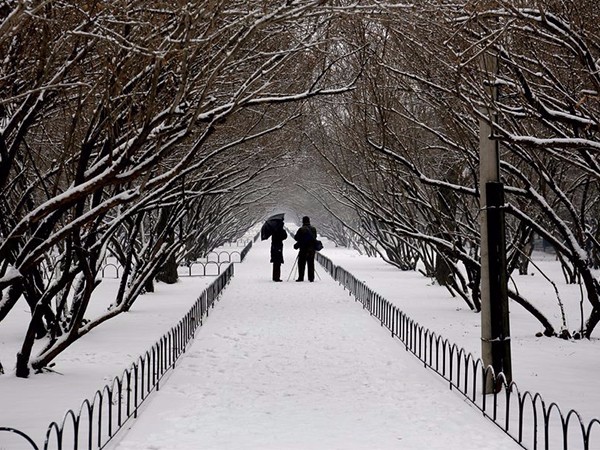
x: 273, y: 228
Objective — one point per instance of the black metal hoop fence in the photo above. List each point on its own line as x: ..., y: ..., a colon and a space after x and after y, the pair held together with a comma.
x: 211, y: 265
x: 524, y: 415
x: 238, y: 243
x: 98, y: 420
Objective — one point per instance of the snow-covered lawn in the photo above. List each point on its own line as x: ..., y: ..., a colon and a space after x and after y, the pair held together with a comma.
x: 30, y: 405
x: 290, y: 365
x: 562, y: 371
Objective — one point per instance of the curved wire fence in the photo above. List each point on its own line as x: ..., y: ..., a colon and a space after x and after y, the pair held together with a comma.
x: 211, y: 265
x: 97, y: 420
x: 238, y: 243
x: 523, y: 415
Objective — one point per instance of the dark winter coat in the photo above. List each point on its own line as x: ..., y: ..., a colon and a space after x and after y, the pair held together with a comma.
x: 277, y: 239
x: 305, y: 238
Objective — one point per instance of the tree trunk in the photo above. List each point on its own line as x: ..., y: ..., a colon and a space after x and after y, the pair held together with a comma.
x: 442, y: 272
x: 168, y: 272
x: 548, y: 328
x: 149, y: 285
x: 591, y: 323
x: 525, y: 257
x: 22, y: 367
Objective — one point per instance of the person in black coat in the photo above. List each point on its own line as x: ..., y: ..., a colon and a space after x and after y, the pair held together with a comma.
x: 306, y: 237
x: 277, y: 238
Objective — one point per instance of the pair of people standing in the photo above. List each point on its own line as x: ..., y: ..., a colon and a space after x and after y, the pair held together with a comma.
x: 305, y: 237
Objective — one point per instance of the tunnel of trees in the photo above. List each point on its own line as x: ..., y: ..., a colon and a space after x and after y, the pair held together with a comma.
x: 154, y: 131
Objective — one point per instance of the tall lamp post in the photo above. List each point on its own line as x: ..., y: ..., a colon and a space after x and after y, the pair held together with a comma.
x: 495, y: 326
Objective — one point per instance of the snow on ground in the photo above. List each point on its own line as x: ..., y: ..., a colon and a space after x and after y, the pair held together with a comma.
x: 302, y: 366
x: 30, y: 405
x: 293, y: 365
x: 562, y: 371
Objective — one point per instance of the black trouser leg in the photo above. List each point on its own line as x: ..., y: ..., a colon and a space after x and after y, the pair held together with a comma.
x: 310, y: 261
x: 301, y: 265
x: 276, y: 271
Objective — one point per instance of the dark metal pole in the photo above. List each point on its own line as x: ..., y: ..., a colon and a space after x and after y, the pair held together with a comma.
x: 498, y: 290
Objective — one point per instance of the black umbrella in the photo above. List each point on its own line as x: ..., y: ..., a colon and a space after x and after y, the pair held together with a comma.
x: 271, y: 225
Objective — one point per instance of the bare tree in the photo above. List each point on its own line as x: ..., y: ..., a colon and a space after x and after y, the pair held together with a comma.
x: 120, y: 122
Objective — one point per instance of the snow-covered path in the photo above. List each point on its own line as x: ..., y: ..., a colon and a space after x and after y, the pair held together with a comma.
x: 301, y: 366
